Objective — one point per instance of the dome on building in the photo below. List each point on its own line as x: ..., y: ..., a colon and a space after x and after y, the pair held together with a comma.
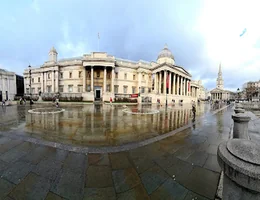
x: 53, y: 50
x: 165, y: 53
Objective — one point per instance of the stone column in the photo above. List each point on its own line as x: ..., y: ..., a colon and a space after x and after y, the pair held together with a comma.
x: 240, y: 129
x: 84, y: 79
x: 57, y: 81
x: 187, y: 87
x: 155, y: 83
x: 105, y: 80
x: 239, y: 159
x: 52, y: 81
x: 181, y: 85
x: 139, y: 82
x: 170, y: 83
x: 160, y: 82
x: 92, y: 79
x: 174, y: 83
x: 164, y: 81
x: 178, y: 84
x: 42, y: 83
x: 112, y: 80
x: 45, y: 82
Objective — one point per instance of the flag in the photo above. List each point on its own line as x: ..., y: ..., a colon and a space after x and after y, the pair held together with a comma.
x: 167, y: 81
x: 244, y: 31
x: 98, y: 36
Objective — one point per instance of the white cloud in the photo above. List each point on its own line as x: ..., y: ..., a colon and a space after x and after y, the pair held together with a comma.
x: 35, y: 6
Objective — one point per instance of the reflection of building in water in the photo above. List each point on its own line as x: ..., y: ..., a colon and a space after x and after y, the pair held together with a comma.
x: 99, y: 76
x: 105, y: 125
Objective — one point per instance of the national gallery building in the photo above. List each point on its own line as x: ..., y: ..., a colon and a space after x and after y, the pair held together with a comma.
x: 98, y: 77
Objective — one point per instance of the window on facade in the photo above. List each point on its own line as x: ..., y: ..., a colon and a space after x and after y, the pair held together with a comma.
x: 125, y: 76
x: 133, y: 90
x: 143, y: 77
x: 88, y: 88
x: 142, y: 89
x: 80, y: 88
x: 89, y: 75
x: 70, y: 75
x: 108, y: 75
x: 49, y: 89
x: 61, y: 75
x: 49, y: 75
x: 33, y: 90
x: 27, y: 90
x: 39, y: 79
x: 134, y: 77
x: 98, y: 74
x: 149, y: 90
x: 116, y: 75
x: 61, y: 88
x: 108, y: 88
x: 116, y: 87
x: 80, y: 74
x: 125, y: 89
x: 32, y: 80
x: 70, y: 88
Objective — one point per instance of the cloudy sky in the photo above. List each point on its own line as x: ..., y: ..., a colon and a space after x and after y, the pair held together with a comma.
x: 200, y: 33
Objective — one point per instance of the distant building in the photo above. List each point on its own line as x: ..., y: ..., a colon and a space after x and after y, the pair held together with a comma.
x: 7, y: 85
x: 202, y: 92
x: 219, y: 93
x: 251, y: 90
x: 98, y: 77
x: 19, y: 85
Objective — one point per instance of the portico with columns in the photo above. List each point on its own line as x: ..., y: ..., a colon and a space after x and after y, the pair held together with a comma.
x: 98, y: 77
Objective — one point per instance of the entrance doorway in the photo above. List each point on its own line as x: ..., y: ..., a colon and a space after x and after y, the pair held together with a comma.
x: 1, y: 96
x: 97, y: 95
x: 6, y: 95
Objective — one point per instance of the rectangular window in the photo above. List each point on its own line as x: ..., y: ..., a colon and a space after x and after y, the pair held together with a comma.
x: 33, y: 90
x: 125, y: 76
x: 80, y: 88
x: 88, y: 88
x: 70, y: 88
x: 61, y: 88
x: 116, y: 75
x: 49, y: 89
x: 108, y: 88
x: 149, y: 90
x: 49, y: 75
x: 32, y: 80
x: 98, y: 74
x: 125, y: 89
x: 61, y: 75
x: 134, y: 77
x: 70, y: 75
x: 142, y: 90
x: 116, y: 87
x: 133, y: 90
x: 143, y: 77
x: 39, y: 79
x: 80, y: 74
x: 108, y: 75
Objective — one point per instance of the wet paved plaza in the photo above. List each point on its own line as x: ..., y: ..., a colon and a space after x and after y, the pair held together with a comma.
x: 182, y: 166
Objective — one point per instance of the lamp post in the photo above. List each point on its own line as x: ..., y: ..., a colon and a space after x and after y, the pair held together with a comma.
x: 30, y: 79
x: 238, y: 94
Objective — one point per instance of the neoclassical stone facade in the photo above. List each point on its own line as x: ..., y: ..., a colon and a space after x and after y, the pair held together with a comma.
x: 219, y: 93
x: 7, y: 85
x: 99, y: 76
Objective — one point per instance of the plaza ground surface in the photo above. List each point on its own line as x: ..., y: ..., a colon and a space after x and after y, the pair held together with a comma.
x: 182, y: 166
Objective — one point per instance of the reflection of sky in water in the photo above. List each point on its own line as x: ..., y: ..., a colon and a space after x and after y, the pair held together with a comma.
x: 105, y: 125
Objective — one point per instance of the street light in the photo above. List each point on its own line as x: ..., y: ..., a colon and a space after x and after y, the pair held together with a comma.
x: 30, y: 79
x: 238, y: 93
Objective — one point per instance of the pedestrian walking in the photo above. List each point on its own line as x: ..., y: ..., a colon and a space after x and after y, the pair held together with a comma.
x: 194, y: 111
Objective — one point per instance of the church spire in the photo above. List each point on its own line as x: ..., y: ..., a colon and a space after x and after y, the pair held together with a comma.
x: 220, y: 82
x: 219, y: 69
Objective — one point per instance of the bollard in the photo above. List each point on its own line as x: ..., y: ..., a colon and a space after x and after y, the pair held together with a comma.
x: 240, y: 161
x: 240, y: 129
x: 239, y: 110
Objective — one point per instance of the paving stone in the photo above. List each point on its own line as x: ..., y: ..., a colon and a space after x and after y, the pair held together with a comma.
x: 76, y: 162
x: 184, y: 152
x: 99, y: 176
x: 5, y: 188
x: 100, y: 194
x: 4, y: 140
x: 137, y: 192
x: 17, y: 171
x: 119, y: 160
x: 166, y: 161
x: 125, y: 179
x: 98, y: 159
x: 9, y: 144
x: 12, y: 155
x: 52, y: 196
x: 38, y: 154
x: 198, y: 158
x: 58, y: 155
x: 3, y: 166
x: 212, y: 163
x: 32, y: 187
x: 69, y: 184
x: 212, y: 149
x: 203, y: 182
x: 142, y: 165
x: 170, y: 189
x: 191, y: 195
x: 153, y: 178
